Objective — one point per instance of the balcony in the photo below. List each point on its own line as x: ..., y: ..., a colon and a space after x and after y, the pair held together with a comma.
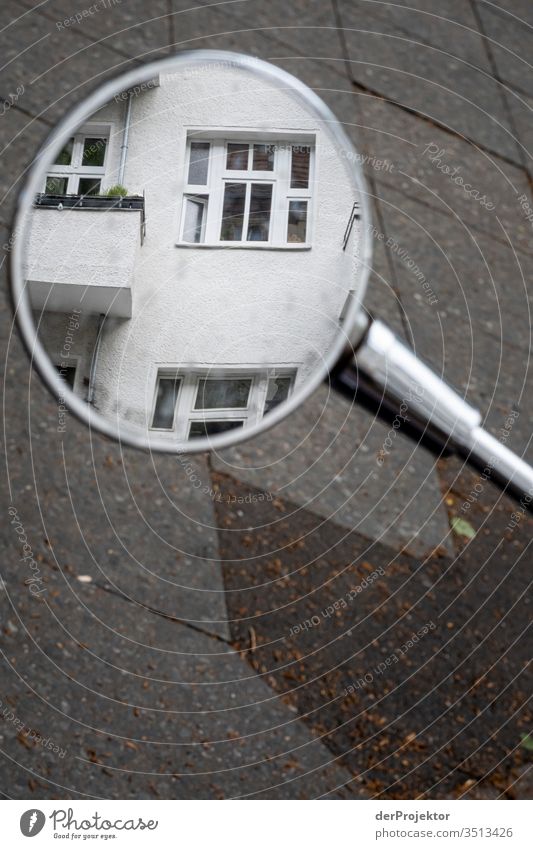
x: 82, y: 252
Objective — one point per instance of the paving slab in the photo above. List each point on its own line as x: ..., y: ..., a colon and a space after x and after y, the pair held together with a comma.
x: 334, y: 618
x: 133, y: 28
x: 37, y: 56
x: 443, y: 88
x: 333, y: 459
x: 143, y: 711
x: 452, y: 26
x: 481, y: 282
x: 521, y: 109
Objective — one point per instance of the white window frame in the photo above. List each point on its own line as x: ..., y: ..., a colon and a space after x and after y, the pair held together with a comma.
x: 184, y: 412
x: 76, y: 170
x: 218, y: 176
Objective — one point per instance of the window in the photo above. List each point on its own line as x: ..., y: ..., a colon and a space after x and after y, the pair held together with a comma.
x: 193, y: 403
x: 195, y: 216
x: 165, y: 402
x: 79, y: 166
x: 245, y: 191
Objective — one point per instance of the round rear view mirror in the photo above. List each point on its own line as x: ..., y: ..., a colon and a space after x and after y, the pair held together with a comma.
x: 190, y: 255
x: 191, y: 252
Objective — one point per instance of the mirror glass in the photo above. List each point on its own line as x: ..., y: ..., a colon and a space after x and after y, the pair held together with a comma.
x: 192, y: 250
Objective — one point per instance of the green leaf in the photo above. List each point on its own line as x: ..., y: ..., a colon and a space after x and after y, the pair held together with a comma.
x: 462, y: 527
x: 527, y: 742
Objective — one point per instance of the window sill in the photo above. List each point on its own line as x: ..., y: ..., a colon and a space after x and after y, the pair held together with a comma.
x: 246, y: 246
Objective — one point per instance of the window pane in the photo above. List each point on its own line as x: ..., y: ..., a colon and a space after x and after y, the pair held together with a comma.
x: 165, y: 404
x: 263, y: 157
x: 93, y: 152
x: 233, y: 212
x: 219, y: 393
x: 64, y: 156
x: 237, y: 159
x: 210, y: 427
x: 259, y: 218
x: 68, y: 373
x: 300, y: 167
x: 277, y: 391
x: 297, y: 226
x: 194, y: 219
x: 56, y: 185
x: 198, y: 163
x: 88, y: 186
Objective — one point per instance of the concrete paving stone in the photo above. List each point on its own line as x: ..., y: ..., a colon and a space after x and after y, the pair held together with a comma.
x: 20, y: 139
x: 331, y: 612
x: 131, y: 27
x: 478, y: 281
x: 445, y: 89
x: 382, y: 300
x: 135, y: 524
x: 451, y: 27
x: 326, y: 459
x: 312, y: 52
x: 129, y: 727
x: 511, y: 43
x: 394, y: 144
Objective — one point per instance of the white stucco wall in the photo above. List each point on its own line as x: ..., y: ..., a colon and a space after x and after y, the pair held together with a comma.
x: 228, y: 306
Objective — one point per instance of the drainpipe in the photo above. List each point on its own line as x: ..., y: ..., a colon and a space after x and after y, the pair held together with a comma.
x: 94, y: 360
x: 125, y: 139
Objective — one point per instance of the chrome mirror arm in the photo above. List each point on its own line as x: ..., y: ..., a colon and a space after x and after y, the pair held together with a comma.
x: 387, y: 378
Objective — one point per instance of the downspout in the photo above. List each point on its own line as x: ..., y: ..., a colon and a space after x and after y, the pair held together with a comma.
x: 94, y: 360
x: 125, y: 140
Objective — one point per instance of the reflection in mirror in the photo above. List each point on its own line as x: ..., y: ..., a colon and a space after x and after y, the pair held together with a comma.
x: 193, y: 249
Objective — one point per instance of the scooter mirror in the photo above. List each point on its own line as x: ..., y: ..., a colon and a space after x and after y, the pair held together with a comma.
x: 191, y: 250
x: 190, y: 255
